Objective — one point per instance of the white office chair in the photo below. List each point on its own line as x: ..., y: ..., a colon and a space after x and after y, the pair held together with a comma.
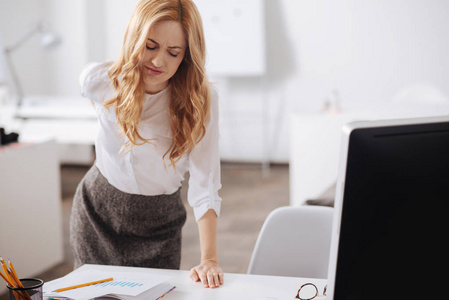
x: 294, y: 241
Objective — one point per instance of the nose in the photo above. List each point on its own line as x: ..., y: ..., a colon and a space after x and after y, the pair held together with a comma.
x: 157, y: 59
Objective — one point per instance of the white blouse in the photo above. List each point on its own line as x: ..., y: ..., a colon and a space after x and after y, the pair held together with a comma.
x: 142, y: 171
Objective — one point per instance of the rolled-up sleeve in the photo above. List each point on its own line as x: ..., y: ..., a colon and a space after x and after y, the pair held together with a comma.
x: 204, y: 167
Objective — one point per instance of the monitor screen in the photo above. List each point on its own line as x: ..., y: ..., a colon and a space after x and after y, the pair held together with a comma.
x: 394, y: 212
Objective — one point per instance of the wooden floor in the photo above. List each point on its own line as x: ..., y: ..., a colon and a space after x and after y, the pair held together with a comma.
x: 248, y: 194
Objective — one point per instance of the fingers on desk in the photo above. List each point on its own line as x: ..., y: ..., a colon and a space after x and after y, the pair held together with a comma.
x: 208, y: 279
x: 216, y: 278
x: 193, y: 275
x: 211, y: 279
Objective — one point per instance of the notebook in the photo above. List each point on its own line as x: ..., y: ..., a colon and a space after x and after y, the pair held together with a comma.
x: 125, y: 285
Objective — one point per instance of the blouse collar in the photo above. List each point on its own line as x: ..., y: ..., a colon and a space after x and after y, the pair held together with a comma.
x: 157, y: 95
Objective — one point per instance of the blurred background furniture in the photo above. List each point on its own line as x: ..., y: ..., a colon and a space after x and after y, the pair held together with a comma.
x: 314, y: 150
x: 70, y: 121
x: 315, y: 138
x: 294, y: 241
x: 30, y: 201
x: 40, y: 118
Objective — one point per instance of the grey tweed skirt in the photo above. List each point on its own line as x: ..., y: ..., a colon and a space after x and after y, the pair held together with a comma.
x: 110, y: 227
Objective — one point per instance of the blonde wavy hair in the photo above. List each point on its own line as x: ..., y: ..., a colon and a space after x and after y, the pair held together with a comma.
x: 189, y: 87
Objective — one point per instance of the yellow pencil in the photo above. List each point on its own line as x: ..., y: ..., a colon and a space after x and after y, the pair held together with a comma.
x: 12, y: 280
x: 7, y: 276
x: 83, y: 285
x: 2, y: 262
x: 14, y: 274
x: 6, y: 279
x: 19, y: 283
x: 12, y: 267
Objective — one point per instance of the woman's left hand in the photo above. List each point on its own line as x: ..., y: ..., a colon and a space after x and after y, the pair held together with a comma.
x: 209, y: 273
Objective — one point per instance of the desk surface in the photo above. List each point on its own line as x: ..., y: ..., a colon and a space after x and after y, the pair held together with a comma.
x: 236, y: 286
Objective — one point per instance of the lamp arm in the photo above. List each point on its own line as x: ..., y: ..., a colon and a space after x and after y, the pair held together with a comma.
x: 8, y: 50
x: 26, y: 37
x: 14, y: 77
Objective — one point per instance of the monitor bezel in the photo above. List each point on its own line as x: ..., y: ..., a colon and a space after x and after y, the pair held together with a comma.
x: 347, y: 130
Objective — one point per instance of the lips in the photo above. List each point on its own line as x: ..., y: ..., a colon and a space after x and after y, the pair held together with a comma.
x: 153, y: 71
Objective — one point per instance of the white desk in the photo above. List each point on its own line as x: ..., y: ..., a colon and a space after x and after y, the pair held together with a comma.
x: 235, y: 287
x: 70, y: 121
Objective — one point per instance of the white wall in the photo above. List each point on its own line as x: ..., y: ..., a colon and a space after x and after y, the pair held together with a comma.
x: 367, y: 50
x: 46, y: 71
x: 18, y: 17
x: 65, y: 62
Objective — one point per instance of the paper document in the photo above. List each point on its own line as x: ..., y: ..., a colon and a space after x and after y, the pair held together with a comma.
x: 124, y: 283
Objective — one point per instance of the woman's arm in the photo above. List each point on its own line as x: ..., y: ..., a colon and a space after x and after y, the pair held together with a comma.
x: 208, y: 271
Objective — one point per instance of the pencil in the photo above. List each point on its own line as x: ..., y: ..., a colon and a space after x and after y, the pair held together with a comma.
x: 12, y: 267
x: 7, y: 276
x: 19, y: 284
x: 83, y: 285
x: 14, y: 275
x: 13, y: 280
x: 5, y: 279
x: 2, y: 262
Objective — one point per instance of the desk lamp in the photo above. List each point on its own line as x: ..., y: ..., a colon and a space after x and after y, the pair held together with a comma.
x: 48, y: 39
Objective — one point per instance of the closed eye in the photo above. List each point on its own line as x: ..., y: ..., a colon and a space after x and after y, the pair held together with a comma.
x: 154, y: 48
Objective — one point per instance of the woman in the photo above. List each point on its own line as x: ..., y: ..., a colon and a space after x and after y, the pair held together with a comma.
x: 158, y: 119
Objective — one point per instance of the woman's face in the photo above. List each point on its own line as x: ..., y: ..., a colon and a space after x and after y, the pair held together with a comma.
x: 164, y: 52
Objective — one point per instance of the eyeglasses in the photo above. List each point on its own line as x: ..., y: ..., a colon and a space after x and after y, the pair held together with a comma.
x: 309, y: 291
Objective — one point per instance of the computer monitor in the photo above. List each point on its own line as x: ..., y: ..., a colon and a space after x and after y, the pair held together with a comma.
x: 391, y: 217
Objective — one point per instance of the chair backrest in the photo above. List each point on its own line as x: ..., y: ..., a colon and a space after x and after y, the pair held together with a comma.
x: 294, y: 241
